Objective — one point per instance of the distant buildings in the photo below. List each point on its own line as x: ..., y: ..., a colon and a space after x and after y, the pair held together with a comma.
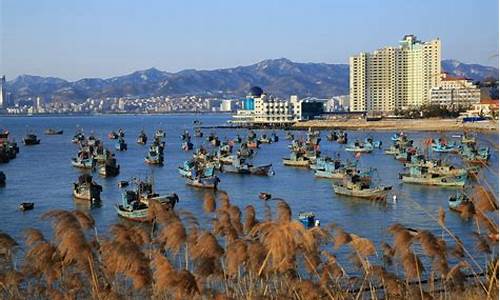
x: 258, y: 107
x: 454, y: 92
x: 395, y: 77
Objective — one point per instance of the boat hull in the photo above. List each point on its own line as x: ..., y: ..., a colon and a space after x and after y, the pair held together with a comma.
x: 296, y: 163
x: 378, y: 193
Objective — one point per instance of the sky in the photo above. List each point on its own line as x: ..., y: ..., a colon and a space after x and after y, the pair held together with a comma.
x: 105, y: 38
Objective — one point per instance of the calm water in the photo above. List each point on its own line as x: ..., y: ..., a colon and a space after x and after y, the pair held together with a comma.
x: 43, y: 174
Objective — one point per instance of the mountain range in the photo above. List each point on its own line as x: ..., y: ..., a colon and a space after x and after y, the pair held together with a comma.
x: 280, y: 77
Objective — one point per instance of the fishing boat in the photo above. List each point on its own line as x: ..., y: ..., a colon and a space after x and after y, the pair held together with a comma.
x: 186, y: 170
x: 239, y: 166
x: 342, y: 138
x: 289, y: 136
x: 360, y: 187
x: 155, y: 153
x: 132, y: 209
x: 437, y: 166
x: 110, y: 168
x: 252, y: 144
x: 441, y: 145
x: 154, y: 156
x: 78, y: 137
x: 160, y: 133
x: 31, y: 139
x: 274, y: 137
x: 3, y: 178
x: 308, y: 219
x: 101, y: 154
x: 373, y: 143
x: 185, y: 136
x: 265, y: 196
x: 26, y: 206
x: 359, y: 147
x: 121, y: 145
x: 332, y: 136
x: 392, y: 150
x: 142, y: 139
x: 296, y: 160
x: 4, y: 134
x: 198, y: 133
x: 399, y: 137
x: 52, y: 131
x: 421, y: 175
x: 203, y: 182
x: 471, y: 154
x: 86, y: 189
x: 113, y: 135
x: 468, y: 138
x: 457, y: 201
x: 187, y: 145
x: 83, y: 161
x: 264, y: 139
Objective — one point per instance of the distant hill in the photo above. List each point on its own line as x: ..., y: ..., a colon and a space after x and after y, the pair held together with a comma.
x: 280, y: 77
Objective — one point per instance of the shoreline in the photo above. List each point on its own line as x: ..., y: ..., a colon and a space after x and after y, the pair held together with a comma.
x: 435, y: 125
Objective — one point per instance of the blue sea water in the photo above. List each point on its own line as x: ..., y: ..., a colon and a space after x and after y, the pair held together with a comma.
x: 43, y: 174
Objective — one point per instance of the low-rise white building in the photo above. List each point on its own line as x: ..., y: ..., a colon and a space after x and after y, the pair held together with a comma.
x: 259, y: 107
x: 455, y: 91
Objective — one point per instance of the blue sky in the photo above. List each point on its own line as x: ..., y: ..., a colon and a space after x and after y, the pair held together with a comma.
x: 104, y: 38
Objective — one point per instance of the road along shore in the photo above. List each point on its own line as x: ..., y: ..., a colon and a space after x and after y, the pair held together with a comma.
x: 400, y: 125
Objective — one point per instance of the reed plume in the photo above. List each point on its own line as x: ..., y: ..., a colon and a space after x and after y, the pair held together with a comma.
x: 481, y: 243
x: 236, y: 255
x: 209, y: 202
x: 172, y: 236
x: 441, y: 217
x: 412, y: 265
x: 402, y: 238
x: 7, y: 244
x: 206, y: 246
x: 250, y: 220
x: 224, y: 200
x: 364, y: 247
x: 455, y: 277
x: 235, y: 218
x: 256, y: 254
x: 164, y: 273
x: 341, y: 238
x: 33, y: 236
x: 484, y: 199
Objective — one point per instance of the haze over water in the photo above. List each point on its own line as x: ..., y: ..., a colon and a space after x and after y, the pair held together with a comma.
x: 43, y: 174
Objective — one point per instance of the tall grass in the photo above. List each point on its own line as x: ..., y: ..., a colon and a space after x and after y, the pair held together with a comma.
x: 276, y: 258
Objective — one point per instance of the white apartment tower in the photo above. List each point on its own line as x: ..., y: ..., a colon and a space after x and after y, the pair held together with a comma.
x: 395, y: 77
x: 3, y: 99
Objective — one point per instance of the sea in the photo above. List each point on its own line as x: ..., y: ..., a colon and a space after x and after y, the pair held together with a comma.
x: 43, y: 174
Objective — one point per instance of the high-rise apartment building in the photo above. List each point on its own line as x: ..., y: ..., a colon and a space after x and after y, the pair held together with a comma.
x: 395, y: 77
x: 3, y: 98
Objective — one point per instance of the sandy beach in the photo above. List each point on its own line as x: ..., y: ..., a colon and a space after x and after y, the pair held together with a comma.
x: 401, y: 125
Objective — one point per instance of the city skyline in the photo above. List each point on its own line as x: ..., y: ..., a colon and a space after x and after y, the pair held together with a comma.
x: 91, y: 39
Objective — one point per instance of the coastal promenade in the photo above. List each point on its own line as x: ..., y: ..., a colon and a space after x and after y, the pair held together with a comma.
x: 400, y: 125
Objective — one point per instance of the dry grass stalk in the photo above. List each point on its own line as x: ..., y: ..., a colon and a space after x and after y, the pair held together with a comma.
x: 209, y: 202
x: 172, y: 236
x: 364, y: 247
x: 236, y: 256
x: 412, y: 265
x: 441, y: 217
x: 484, y: 199
x: 206, y: 246
x: 250, y: 220
x: 402, y: 238
x: 256, y: 254
x: 341, y: 238
x: 455, y: 277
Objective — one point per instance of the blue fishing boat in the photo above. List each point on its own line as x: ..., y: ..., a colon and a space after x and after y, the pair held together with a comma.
x: 83, y: 161
x: 458, y: 200
x: 240, y: 166
x: 471, y: 154
x: 373, y: 143
x: 121, y: 145
x: 359, y: 147
x: 142, y: 139
x: 187, y: 145
x: 308, y: 219
x: 441, y: 145
x: 421, y: 175
x: 155, y: 155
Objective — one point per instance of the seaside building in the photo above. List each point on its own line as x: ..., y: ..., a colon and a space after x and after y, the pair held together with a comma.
x: 227, y: 105
x: 394, y: 77
x: 455, y: 91
x: 258, y: 107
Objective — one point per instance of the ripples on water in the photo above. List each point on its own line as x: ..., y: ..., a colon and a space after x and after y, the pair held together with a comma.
x: 43, y: 174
